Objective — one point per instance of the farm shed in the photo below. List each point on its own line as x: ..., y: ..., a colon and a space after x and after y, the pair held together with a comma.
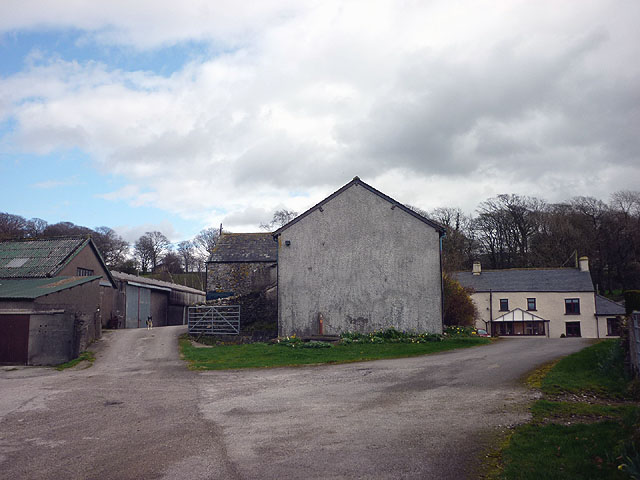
x: 65, y: 277
x: 135, y: 298
x: 47, y: 321
x: 359, y: 261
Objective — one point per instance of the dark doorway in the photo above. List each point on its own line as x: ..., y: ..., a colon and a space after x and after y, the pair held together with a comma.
x: 14, y: 339
x: 573, y: 329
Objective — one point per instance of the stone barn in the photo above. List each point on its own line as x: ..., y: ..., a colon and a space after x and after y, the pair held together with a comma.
x: 242, y: 263
x: 359, y: 261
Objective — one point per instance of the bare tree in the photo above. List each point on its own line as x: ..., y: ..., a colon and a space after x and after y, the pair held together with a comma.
x: 172, y: 263
x: 35, y: 227
x: 64, y: 229
x: 505, y: 228
x: 458, y: 244
x: 204, y: 243
x: 186, y: 251
x: 280, y: 218
x: 150, y: 248
x: 11, y: 226
x: 111, y: 246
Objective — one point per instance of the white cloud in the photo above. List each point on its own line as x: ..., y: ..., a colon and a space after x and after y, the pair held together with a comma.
x: 434, y: 103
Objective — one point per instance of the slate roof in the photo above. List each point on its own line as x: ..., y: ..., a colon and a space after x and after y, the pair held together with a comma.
x: 245, y: 247
x: 528, y: 280
x: 357, y: 181
x: 604, y: 306
x: 36, y: 258
x: 126, y: 277
x: 42, y: 258
x: 31, y: 288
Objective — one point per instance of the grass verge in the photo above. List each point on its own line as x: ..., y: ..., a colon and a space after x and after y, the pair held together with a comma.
x: 598, y: 369
x: 259, y: 355
x: 593, y: 436
x: 84, y: 356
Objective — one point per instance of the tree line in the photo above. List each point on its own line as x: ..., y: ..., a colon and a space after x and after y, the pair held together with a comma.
x: 515, y: 231
x: 506, y: 231
x: 151, y: 251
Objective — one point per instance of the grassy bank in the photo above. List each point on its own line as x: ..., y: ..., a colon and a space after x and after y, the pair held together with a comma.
x: 84, y: 356
x: 259, y: 355
x: 586, y: 427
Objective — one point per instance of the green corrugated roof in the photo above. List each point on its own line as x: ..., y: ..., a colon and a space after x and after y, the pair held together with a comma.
x: 37, y: 258
x: 30, y: 288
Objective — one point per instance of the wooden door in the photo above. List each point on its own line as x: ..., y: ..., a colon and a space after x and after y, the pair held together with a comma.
x: 14, y: 339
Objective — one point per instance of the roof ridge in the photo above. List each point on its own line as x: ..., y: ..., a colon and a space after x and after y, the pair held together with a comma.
x: 357, y: 181
x: 44, y: 239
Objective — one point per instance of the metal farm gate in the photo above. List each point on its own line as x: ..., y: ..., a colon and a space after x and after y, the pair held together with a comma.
x: 214, y: 320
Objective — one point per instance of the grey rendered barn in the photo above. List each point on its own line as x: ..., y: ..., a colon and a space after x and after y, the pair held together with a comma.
x: 359, y: 261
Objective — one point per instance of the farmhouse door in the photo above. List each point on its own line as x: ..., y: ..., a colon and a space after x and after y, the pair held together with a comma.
x: 14, y: 339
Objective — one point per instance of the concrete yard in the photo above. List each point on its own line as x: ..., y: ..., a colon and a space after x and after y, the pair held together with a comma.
x: 138, y: 413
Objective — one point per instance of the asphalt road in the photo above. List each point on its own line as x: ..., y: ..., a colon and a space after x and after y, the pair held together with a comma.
x: 138, y: 413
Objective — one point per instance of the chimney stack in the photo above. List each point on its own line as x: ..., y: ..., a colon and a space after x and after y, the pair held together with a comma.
x: 477, y: 268
x: 584, y: 264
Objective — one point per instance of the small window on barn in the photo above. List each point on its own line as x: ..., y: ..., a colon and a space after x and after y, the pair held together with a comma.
x: 84, y: 272
x: 504, y: 304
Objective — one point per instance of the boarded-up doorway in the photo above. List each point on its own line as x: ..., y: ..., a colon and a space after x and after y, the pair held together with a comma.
x: 14, y: 339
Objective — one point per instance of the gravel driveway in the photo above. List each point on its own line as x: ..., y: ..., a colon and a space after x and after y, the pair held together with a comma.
x: 138, y: 413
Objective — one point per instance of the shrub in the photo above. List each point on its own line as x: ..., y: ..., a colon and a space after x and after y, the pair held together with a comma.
x: 459, y: 309
x: 632, y: 300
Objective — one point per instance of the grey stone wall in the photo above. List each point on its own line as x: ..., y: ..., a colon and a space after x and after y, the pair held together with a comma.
x: 82, y: 303
x: 241, y: 278
x: 362, y: 264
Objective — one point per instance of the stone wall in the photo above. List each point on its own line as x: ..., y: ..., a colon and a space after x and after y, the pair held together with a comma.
x: 241, y: 278
x: 258, y: 313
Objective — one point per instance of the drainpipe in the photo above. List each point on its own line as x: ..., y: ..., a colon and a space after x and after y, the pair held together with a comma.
x: 490, y: 309
x: 442, y: 235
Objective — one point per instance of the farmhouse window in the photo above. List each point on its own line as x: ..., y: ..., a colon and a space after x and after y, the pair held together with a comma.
x: 504, y: 304
x: 613, y: 327
x: 572, y: 306
x: 531, y: 303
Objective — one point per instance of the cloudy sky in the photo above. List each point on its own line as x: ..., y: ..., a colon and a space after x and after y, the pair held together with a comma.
x: 178, y: 116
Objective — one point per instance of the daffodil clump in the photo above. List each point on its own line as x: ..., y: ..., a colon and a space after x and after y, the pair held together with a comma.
x: 389, y: 335
x: 460, y: 331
